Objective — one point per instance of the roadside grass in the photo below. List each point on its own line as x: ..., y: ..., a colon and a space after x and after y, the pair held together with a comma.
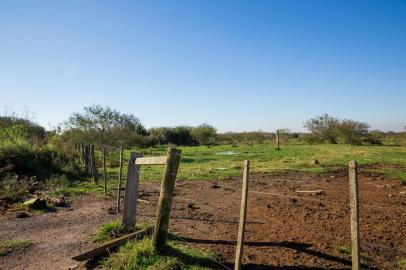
x: 140, y: 255
x: 8, y: 246
x: 114, y: 229
x: 222, y: 162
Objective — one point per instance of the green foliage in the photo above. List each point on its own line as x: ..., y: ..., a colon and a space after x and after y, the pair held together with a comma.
x: 114, y: 229
x: 7, y: 246
x: 325, y: 128
x: 140, y: 255
x: 104, y: 126
x: 204, y: 134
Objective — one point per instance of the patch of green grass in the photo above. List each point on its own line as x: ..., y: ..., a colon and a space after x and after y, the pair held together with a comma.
x: 365, y: 258
x: 402, y: 263
x: 114, y: 229
x: 202, y: 162
x: 222, y: 162
x: 7, y: 246
x: 140, y: 255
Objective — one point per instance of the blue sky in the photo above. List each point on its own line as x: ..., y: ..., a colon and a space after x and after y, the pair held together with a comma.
x: 238, y: 65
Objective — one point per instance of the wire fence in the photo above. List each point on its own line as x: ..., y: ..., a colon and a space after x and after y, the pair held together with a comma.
x: 376, y: 248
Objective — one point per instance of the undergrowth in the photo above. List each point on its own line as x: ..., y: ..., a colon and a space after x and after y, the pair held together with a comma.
x: 7, y: 246
x: 140, y: 255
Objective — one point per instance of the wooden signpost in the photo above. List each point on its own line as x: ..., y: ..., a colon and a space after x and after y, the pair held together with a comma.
x: 354, y: 206
x: 131, y: 191
x: 243, y: 213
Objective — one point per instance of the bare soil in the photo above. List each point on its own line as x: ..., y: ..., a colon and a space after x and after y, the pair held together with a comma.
x: 285, y: 229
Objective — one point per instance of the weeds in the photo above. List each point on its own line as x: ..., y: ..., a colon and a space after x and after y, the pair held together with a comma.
x: 114, y: 229
x: 140, y: 255
x: 7, y: 246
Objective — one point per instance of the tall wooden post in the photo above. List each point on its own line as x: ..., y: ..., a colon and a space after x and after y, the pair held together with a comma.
x: 243, y: 213
x: 277, y: 140
x: 165, y: 199
x: 131, y: 191
x: 104, y: 169
x: 120, y: 173
x: 354, y: 206
x: 93, y: 165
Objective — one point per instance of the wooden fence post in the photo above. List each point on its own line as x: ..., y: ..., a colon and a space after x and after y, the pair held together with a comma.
x: 277, y: 140
x: 120, y: 173
x: 354, y: 205
x: 93, y: 165
x: 131, y: 191
x: 243, y: 213
x: 104, y: 169
x: 165, y: 199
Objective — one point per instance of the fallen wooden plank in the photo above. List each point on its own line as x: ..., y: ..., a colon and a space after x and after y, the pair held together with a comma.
x: 112, y: 244
x: 316, y: 192
x: 151, y: 161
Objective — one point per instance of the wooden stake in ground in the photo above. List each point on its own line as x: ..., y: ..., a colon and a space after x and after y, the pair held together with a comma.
x: 104, y: 169
x: 165, y: 199
x: 243, y: 213
x: 131, y: 191
x: 354, y: 205
x: 120, y: 173
x: 93, y: 165
x: 277, y: 140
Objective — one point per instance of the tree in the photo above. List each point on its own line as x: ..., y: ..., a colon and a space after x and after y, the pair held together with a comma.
x: 204, y: 134
x: 104, y: 126
x: 324, y: 128
x: 353, y: 132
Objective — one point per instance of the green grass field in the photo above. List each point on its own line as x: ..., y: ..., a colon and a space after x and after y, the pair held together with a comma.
x: 221, y: 162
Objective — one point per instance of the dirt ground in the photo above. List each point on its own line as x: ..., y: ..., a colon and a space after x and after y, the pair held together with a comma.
x: 285, y: 229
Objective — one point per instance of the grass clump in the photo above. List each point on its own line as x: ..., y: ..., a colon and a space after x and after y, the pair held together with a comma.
x: 402, y: 264
x: 114, y: 229
x: 140, y: 255
x: 347, y: 250
x: 7, y: 246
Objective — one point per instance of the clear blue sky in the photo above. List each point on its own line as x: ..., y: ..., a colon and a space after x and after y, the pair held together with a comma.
x: 238, y: 65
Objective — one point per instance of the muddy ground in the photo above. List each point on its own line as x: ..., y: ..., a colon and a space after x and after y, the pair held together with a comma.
x: 285, y: 229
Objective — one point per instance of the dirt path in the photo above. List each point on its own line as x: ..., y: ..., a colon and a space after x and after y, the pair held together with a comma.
x: 284, y: 231
x: 55, y: 236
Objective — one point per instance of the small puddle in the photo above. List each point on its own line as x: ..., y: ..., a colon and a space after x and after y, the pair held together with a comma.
x: 227, y: 153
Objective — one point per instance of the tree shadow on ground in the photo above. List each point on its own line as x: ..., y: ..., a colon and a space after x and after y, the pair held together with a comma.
x: 300, y: 247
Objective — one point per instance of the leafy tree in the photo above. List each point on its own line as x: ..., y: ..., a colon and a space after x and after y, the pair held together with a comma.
x: 324, y: 128
x: 205, y: 134
x: 353, y: 132
x: 104, y: 126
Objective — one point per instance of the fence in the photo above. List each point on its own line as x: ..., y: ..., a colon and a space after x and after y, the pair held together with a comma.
x: 165, y: 201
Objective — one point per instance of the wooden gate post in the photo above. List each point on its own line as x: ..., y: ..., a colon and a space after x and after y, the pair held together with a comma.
x: 243, y: 213
x: 165, y: 199
x: 93, y: 165
x: 277, y: 140
x: 104, y: 169
x: 131, y: 191
x: 120, y: 173
x: 354, y: 205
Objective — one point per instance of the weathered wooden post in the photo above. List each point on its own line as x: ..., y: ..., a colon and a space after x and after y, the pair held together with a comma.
x: 131, y: 191
x: 243, y: 213
x: 354, y: 206
x: 93, y: 165
x: 120, y: 173
x: 104, y: 169
x: 277, y: 140
x: 165, y: 199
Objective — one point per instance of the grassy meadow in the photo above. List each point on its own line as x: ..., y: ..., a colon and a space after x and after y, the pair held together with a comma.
x: 221, y: 162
